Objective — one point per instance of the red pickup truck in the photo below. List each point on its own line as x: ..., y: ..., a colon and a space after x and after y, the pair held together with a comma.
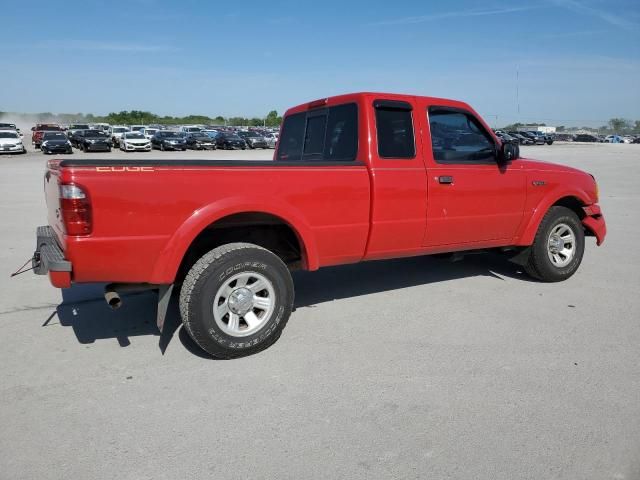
x: 39, y: 129
x: 355, y: 177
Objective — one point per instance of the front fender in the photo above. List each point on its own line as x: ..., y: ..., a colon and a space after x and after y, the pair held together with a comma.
x: 530, y: 228
x: 170, y: 258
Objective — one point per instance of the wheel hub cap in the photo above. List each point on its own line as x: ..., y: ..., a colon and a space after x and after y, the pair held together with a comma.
x: 555, y: 243
x: 561, y: 245
x: 241, y: 301
x: 244, y: 303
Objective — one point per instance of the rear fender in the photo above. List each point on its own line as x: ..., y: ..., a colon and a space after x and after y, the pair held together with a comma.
x: 171, y: 257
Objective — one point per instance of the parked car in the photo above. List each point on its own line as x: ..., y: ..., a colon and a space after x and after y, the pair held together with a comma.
x: 230, y: 233
x: 564, y: 137
x: 536, y: 139
x: 200, y: 141
x: 116, y: 132
x: 169, y: 140
x: 137, y: 128
x: 39, y: 129
x: 505, y: 137
x: 76, y: 127
x: 10, y: 142
x: 149, y: 132
x: 271, y: 139
x: 92, y: 140
x: 545, y: 137
x: 636, y: 140
x: 105, y: 127
x: 11, y: 126
x: 521, y: 138
x: 55, y: 142
x: 585, y: 137
x: 190, y: 129
x: 253, y: 140
x: 211, y: 132
x: 134, y: 141
x: 230, y: 141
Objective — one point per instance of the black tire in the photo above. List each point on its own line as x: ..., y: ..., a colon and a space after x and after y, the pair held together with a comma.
x: 549, y: 142
x: 539, y: 265
x: 209, y: 275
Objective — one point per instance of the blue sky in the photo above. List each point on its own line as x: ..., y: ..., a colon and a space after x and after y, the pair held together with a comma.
x: 578, y: 62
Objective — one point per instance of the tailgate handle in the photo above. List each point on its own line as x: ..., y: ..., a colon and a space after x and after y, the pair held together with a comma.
x: 446, y: 179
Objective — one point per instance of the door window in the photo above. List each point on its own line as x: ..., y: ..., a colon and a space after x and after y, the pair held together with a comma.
x: 458, y: 137
x: 394, y: 125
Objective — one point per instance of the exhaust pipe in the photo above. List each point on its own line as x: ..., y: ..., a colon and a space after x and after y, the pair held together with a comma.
x: 113, y: 299
x: 113, y: 290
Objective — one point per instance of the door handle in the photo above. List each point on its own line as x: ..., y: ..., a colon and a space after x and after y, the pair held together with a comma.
x: 446, y: 179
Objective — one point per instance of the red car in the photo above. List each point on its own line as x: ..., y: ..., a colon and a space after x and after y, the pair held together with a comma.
x: 355, y: 177
x: 39, y: 129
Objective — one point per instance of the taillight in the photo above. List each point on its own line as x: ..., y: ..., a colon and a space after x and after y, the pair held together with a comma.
x: 75, y: 207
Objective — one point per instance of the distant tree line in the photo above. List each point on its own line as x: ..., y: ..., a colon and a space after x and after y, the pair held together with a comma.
x: 135, y: 117
x: 615, y: 125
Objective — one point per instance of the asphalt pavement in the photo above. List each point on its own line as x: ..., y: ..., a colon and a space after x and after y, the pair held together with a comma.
x: 414, y: 368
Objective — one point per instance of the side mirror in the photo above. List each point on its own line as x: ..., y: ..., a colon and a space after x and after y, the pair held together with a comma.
x: 508, y: 152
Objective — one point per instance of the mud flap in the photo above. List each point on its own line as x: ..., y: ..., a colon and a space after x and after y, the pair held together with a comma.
x: 164, y: 296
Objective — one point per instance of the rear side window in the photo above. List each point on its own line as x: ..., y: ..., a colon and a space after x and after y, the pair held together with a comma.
x: 328, y: 134
x: 314, y: 136
x: 458, y: 137
x: 394, y: 126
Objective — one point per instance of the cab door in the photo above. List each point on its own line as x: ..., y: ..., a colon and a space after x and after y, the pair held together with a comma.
x: 472, y: 199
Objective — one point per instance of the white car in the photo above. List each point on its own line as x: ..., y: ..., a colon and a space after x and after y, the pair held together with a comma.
x: 211, y: 133
x: 272, y: 139
x: 134, y: 141
x: 11, y: 126
x: 149, y: 132
x: 10, y: 142
x: 116, y: 132
x: 190, y: 129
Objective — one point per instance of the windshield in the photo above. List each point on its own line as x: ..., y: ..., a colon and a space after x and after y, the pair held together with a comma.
x: 94, y: 133
x: 54, y: 136
x: 199, y: 135
x: 173, y: 135
x: 120, y: 130
x: 8, y: 135
x: 137, y: 128
x: 78, y: 126
x: 48, y: 127
x: 150, y: 131
x: 134, y: 136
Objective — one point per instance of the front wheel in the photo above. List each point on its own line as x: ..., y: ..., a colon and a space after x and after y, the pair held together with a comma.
x: 236, y: 300
x: 558, y: 247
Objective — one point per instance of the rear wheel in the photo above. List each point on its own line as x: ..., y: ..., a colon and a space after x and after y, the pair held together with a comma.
x: 236, y: 300
x: 558, y: 247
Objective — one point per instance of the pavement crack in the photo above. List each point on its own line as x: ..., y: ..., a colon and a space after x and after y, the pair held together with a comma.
x: 28, y: 308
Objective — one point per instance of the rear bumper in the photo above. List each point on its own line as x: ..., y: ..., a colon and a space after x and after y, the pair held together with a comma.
x: 49, y: 258
x: 594, y: 222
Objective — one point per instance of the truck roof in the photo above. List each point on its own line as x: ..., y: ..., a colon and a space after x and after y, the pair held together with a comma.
x: 357, y: 96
